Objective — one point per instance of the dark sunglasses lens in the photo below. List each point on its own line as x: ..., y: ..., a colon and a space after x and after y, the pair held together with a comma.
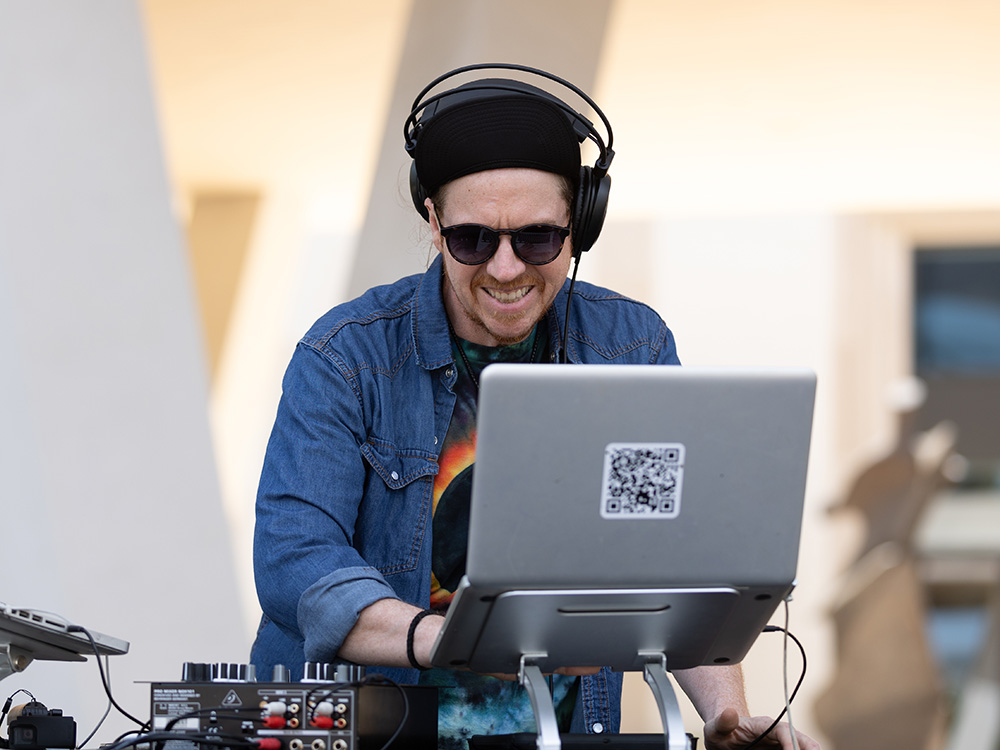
x: 471, y: 244
x: 539, y: 244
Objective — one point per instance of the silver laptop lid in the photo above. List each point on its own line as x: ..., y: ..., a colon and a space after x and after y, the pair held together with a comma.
x: 609, y: 475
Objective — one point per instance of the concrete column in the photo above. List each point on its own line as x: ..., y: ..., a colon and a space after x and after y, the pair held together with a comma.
x: 560, y: 36
x: 110, y: 502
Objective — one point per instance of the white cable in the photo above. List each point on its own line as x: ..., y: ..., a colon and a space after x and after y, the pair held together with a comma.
x: 107, y: 667
x: 788, y: 699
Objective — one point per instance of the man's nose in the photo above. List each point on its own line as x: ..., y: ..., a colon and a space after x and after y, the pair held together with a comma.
x: 505, y: 265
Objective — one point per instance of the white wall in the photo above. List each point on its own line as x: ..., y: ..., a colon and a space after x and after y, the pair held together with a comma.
x: 110, y: 503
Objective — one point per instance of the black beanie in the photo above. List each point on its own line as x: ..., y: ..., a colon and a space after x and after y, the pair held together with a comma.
x: 471, y: 129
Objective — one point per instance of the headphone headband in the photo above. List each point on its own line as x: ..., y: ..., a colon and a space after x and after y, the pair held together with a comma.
x: 411, y: 126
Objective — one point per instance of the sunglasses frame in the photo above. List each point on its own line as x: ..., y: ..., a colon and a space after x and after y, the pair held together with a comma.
x: 496, y: 234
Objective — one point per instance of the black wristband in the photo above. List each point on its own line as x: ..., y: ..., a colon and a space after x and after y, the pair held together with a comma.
x: 409, y: 637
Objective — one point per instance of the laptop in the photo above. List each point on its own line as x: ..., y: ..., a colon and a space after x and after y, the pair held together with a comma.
x: 622, y: 513
x: 46, y: 636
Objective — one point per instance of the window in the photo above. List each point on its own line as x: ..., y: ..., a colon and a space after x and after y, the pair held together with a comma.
x: 957, y: 350
x: 958, y: 311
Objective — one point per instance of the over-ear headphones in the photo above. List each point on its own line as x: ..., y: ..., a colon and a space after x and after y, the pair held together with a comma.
x: 594, y: 185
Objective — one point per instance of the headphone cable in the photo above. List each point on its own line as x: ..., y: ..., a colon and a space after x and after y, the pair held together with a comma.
x: 564, y: 357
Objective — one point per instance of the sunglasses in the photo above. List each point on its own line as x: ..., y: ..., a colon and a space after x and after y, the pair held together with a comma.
x: 535, y: 244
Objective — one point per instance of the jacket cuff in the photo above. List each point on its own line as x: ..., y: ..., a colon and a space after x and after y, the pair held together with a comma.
x: 329, y: 608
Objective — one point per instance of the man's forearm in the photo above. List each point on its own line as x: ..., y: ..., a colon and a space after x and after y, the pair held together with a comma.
x: 379, y: 635
x: 713, y: 689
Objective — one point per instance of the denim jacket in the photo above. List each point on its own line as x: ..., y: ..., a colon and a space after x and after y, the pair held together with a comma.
x: 344, y: 503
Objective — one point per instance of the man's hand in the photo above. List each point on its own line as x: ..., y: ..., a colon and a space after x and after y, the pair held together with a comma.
x: 730, y: 731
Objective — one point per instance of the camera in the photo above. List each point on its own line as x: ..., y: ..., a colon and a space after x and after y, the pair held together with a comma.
x: 39, y: 728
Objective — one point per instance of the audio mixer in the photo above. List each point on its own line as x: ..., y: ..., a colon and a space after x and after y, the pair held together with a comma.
x: 332, y: 708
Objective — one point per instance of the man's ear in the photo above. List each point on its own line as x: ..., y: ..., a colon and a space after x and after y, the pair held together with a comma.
x: 436, y: 239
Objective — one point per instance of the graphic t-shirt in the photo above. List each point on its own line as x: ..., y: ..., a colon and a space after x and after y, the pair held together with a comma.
x: 471, y: 703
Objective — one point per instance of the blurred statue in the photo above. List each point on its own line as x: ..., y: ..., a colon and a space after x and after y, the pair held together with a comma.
x: 887, y: 691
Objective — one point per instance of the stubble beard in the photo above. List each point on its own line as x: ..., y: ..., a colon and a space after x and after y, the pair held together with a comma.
x: 477, y: 320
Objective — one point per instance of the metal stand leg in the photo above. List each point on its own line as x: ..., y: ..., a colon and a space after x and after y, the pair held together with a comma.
x: 530, y: 676
x: 12, y: 660
x: 655, y: 673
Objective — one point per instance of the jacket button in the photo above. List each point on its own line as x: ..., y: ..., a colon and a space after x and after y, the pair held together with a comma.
x: 449, y: 373
x: 395, y: 476
x: 598, y: 727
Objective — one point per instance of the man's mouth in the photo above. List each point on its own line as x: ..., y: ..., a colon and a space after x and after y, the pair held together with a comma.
x: 508, y: 296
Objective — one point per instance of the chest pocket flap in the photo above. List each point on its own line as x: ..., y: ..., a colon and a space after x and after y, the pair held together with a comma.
x: 397, y: 468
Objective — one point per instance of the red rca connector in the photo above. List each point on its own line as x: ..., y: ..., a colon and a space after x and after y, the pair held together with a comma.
x: 268, y: 743
x: 322, y: 722
x: 274, y: 722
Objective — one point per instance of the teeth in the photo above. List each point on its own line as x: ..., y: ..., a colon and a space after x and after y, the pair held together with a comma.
x: 511, y: 296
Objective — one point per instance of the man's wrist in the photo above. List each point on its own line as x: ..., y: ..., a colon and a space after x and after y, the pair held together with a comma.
x: 411, y: 634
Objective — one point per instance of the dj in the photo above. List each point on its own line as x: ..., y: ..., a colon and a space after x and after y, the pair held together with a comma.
x: 362, y: 511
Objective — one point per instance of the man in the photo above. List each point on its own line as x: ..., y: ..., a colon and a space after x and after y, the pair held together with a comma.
x: 362, y: 510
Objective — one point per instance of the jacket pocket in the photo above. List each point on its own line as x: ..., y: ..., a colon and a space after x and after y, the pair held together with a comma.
x: 395, y: 514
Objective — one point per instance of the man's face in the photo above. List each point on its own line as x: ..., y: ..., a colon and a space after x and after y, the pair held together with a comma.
x: 499, y: 301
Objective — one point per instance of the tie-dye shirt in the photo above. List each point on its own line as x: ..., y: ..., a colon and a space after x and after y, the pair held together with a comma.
x: 469, y: 703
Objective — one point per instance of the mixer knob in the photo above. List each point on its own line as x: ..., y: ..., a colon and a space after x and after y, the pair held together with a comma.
x: 223, y: 672
x: 316, y: 671
x: 350, y: 673
x: 196, y: 672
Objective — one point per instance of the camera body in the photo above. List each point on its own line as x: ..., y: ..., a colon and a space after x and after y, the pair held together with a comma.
x: 39, y: 728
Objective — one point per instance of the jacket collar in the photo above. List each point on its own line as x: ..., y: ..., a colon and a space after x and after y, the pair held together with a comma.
x: 429, y: 321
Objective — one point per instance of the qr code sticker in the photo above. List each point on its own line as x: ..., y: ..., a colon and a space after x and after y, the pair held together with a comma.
x: 642, y: 480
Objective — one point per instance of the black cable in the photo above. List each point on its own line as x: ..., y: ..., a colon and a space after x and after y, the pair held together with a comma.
x: 406, y: 707
x: 10, y: 700
x: 218, y: 740
x: 374, y: 679
x: 104, y: 679
x: 802, y: 675
x: 330, y: 688
x: 569, y: 299
x: 6, y: 707
x: 121, y: 737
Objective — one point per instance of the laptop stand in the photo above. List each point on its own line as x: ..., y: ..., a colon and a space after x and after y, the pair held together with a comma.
x: 12, y: 660
x: 655, y: 673
x: 533, y: 631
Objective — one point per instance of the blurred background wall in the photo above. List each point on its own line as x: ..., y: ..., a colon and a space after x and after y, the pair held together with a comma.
x: 188, y: 184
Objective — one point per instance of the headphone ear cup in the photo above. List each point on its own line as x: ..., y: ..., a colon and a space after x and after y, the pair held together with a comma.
x: 417, y: 193
x: 591, y: 209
